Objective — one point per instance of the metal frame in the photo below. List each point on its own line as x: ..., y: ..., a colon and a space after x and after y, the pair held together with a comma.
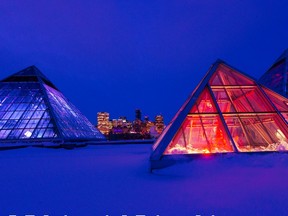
x: 171, y: 130
x: 33, y: 75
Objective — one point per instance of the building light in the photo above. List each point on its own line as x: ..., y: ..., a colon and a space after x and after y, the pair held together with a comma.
x: 28, y: 134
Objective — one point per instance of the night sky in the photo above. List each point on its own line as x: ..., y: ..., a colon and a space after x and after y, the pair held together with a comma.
x: 117, y: 56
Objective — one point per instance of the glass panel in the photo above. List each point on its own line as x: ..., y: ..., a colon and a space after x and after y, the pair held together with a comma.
x: 33, y: 106
x: 257, y: 100
x: 24, y: 111
x: 43, y: 123
x: 200, y: 134
x: 49, y: 133
x: 10, y: 124
x: 2, y: 123
x: 73, y: 124
x: 258, y: 137
x: 37, y: 114
x: 280, y: 102
x: 46, y: 115
x: 285, y: 115
x: 277, y: 130
x: 229, y: 77
x: 178, y: 144
x: 263, y: 132
x: 216, y: 134
x: 28, y: 114
x: 274, y: 78
x: 40, y: 133
x: 22, y: 106
x: 18, y: 100
x: 236, y: 130
x: 15, y: 134
x: 5, y: 106
x: 13, y: 107
x: 205, y: 104
x: 16, y: 114
x: 215, y: 80
x: 22, y: 123
x: 239, y: 100
x: 32, y: 123
x: 4, y: 133
x: 42, y: 106
x: 35, y: 133
x: 223, y: 100
x: 29, y: 97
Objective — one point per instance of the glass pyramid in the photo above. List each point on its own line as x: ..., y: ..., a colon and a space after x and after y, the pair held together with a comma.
x: 228, y: 112
x: 33, y: 109
x: 276, y: 78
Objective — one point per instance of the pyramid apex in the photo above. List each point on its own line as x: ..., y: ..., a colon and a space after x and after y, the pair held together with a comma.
x: 276, y: 76
x: 29, y: 74
x: 284, y: 55
x: 31, y: 70
x: 219, y: 61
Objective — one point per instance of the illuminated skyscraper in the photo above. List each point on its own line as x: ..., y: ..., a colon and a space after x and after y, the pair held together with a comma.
x: 138, y: 114
x: 103, y: 123
x: 159, y: 123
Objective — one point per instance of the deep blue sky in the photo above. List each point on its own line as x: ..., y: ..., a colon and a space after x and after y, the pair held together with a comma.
x: 117, y: 56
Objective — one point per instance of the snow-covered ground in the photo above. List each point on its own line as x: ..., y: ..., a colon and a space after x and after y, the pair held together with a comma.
x: 115, y: 180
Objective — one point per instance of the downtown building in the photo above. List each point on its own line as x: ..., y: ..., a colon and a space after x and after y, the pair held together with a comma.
x: 123, y: 129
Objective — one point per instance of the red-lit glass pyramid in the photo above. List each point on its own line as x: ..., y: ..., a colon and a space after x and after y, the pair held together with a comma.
x: 33, y: 110
x: 228, y: 112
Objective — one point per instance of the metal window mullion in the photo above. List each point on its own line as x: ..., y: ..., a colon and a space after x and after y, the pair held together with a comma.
x: 257, y: 116
x: 20, y: 118
x: 17, y: 104
x: 209, y: 144
x: 243, y: 128
x: 38, y: 121
x: 272, y: 104
x: 184, y: 137
x: 285, y: 74
x: 222, y: 118
x: 28, y: 120
x: 221, y: 114
x: 201, y: 122
x: 7, y: 110
x: 50, y: 109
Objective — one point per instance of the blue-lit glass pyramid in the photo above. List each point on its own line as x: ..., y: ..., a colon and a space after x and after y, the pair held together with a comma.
x: 276, y: 78
x: 33, y: 109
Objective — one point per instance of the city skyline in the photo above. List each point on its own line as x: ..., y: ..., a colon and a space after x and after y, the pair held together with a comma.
x: 122, y: 128
x: 119, y: 56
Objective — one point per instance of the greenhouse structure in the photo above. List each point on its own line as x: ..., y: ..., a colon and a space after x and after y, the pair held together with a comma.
x: 228, y: 112
x: 34, y: 112
x: 276, y: 77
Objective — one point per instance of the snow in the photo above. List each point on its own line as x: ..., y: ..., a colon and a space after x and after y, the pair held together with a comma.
x: 115, y: 180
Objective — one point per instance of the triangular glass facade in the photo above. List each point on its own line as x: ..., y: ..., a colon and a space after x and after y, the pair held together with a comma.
x: 276, y: 78
x: 23, y: 112
x: 33, y: 109
x: 228, y: 112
